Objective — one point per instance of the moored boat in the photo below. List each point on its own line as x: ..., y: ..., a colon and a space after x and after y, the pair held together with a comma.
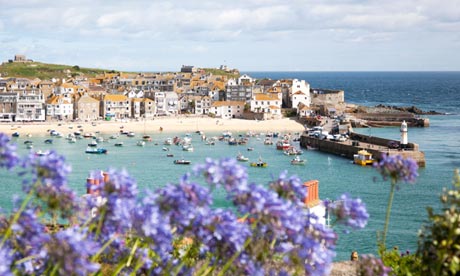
x: 282, y: 145
x: 297, y: 161
x: 140, y: 143
x: 119, y: 144
x: 147, y: 138
x: 363, y: 158
x: 241, y: 157
x: 182, y: 162
x: 94, y: 150
x: 259, y: 163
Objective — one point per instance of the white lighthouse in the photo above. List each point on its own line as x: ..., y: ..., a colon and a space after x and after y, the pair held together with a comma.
x: 403, y: 130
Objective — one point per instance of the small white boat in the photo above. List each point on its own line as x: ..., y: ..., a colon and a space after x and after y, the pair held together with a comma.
x: 165, y: 149
x: 72, y: 140
x: 131, y: 134
x: 140, y: 143
x: 182, y: 162
x: 93, y: 143
x: 168, y: 141
x: 187, y: 147
x: 241, y: 157
x: 297, y: 161
x: 42, y: 153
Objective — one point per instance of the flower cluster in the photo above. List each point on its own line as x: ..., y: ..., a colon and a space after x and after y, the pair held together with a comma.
x: 397, y: 168
x: 112, y: 226
x: 370, y: 266
x: 350, y: 212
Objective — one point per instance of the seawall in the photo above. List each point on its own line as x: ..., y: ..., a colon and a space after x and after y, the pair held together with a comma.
x: 375, y: 145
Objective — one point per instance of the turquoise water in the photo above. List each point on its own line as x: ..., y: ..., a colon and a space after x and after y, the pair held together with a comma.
x: 152, y: 169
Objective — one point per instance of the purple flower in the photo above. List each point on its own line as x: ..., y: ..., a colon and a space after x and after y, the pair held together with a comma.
x: 112, y: 208
x: 8, y: 155
x: 29, y: 237
x: 153, y: 228
x: 290, y: 188
x: 183, y: 203
x: 70, y: 250
x: 350, y: 212
x: 221, y: 233
x: 48, y: 177
x: 226, y: 172
x: 6, y: 257
x: 397, y: 168
x: 372, y: 266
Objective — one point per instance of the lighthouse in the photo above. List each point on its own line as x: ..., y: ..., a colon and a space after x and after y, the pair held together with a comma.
x: 403, y: 130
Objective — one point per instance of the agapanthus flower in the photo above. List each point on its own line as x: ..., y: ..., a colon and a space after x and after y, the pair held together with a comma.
x: 183, y: 203
x: 153, y: 228
x: 30, y: 236
x: 372, y: 266
x: 48, y: 178
x: 350, y: 212
x: 8, y: 155
x: 226, y: 172
x: 290, y: 188
x: 70, y: 251
x: 220, y: 233
x: 397, y: 168
x: 6, y: 257
x: 112, y: 209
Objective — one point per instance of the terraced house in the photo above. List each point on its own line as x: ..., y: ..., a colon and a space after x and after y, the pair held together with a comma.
x: 116, y: 106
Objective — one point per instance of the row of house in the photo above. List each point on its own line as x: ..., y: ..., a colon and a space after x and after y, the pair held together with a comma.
x: 122, y: 96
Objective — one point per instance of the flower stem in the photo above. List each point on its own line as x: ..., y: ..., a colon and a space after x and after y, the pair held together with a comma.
x: 387, y: 217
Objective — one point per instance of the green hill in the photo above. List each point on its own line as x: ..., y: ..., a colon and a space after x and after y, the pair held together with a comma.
x: 45, y: 71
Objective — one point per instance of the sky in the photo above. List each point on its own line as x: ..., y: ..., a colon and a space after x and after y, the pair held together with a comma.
x: 250, y: 35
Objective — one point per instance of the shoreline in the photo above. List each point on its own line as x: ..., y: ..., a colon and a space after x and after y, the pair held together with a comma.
x: 152, y: 126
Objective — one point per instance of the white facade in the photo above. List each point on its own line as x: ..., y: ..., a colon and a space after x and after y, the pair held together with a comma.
x: 262, y: 103
x: 245, y: 79
x: 30, y: 107
x: 60, y: 109
x: 227, y: 109
x: 302, y: 87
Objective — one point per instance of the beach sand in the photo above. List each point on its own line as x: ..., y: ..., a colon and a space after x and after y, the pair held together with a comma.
x: 149, y: 126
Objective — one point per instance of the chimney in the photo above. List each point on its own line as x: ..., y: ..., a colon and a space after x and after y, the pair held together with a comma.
x: 312, y: 198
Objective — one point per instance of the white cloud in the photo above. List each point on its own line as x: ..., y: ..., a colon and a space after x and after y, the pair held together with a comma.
x: 208, y: 27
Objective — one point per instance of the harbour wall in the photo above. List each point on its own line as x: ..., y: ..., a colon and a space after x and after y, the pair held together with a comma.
x: 377, y: 146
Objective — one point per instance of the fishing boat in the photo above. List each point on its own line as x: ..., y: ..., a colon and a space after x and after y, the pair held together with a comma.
x: 182, y: 162
x: 363, y: 158
x: 282, y: 145
x: 297, y: 161
x: 42, y: 153
x: 168, y: 141
x: 94, y: 150
x: 268, y: 141
x: 259, y: 163
x: 130, y: 134
x: 241, y: 157
x: 93, y: 143
x: 147, y: 138
x: 187, y: 147
x: 293, y: 151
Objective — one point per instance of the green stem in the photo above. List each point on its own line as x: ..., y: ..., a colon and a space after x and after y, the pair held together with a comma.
x: 16, y: 216
x: 387, y: 217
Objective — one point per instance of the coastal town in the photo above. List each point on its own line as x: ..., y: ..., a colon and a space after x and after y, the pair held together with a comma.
x: 121, y: 96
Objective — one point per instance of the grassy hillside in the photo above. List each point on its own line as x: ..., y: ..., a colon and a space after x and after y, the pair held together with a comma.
x: 215, y: 71
x: 45, y: 71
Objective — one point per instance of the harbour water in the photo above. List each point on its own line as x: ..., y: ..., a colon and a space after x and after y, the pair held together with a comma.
x: 440, y: 142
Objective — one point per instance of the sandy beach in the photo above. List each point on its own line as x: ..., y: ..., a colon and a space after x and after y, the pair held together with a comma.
x: 149, y: 126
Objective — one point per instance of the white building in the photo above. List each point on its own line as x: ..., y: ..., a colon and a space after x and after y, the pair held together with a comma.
x: 30, y: 107
x: 300, y: 93
x: 227, y: 109
x: 59, y: 108
x: 268, y: 104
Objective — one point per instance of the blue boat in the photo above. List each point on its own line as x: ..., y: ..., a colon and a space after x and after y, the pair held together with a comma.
x: 93, y: 150
x: 16, y: 134
x: 48, y: 141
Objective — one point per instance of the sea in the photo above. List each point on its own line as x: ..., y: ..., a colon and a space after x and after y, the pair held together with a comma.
x: 429, y: 91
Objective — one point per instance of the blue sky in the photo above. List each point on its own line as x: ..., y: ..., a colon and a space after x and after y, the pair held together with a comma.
x: 251, y: 35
